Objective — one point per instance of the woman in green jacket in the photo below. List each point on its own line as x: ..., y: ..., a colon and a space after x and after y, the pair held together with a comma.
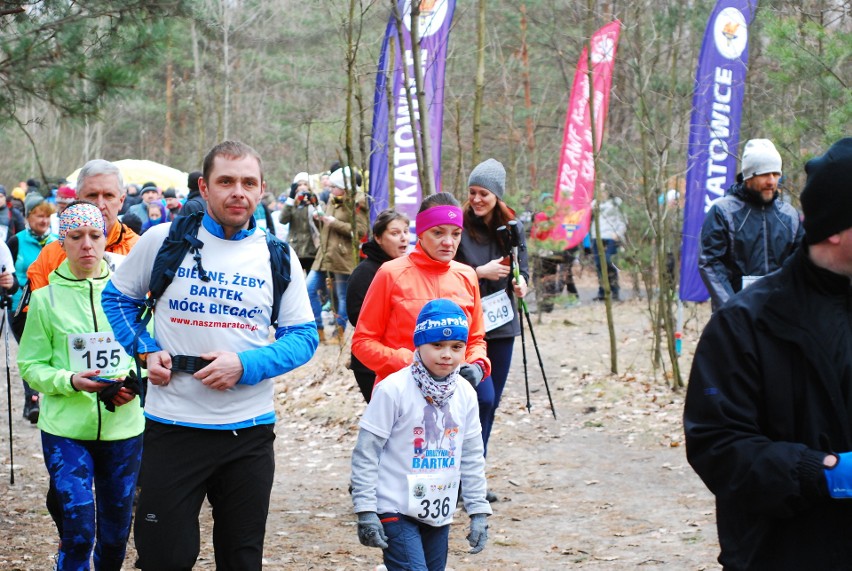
x: 91, y: 421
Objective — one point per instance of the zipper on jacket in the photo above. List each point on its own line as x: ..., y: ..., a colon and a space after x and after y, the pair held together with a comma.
x: 95, y: 322
x: 765, y: 242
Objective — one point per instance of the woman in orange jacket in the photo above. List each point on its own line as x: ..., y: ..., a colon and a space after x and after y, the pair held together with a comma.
x: 382, y: 339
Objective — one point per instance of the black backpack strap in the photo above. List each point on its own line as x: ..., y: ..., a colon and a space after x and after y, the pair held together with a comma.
x: 182, y: 238
x: 279, y: 257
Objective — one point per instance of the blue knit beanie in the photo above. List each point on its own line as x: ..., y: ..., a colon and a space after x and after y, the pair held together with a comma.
x: 440, y: 320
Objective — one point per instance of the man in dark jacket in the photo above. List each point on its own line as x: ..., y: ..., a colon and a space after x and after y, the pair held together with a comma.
x: 768, y: 416
x: 748, y: 233
x: 194, y: 201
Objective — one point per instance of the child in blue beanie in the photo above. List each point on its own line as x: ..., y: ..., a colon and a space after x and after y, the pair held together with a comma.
x: 419, y: 439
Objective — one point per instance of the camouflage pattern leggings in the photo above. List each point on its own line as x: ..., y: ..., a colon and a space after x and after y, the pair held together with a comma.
x: 74, y: 466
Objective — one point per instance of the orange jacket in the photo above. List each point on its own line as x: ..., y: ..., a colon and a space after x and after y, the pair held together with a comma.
x: 384, y: 336
x: 119, y: 241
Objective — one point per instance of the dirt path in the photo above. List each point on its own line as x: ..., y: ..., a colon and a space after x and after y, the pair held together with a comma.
x: 604, y: 486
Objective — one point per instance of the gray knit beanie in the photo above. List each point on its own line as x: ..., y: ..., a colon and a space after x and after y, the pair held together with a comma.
x: 760, y: 157
x: 490, y: 175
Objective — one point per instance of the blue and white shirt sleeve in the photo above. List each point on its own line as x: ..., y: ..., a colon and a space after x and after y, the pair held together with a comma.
x: 124, y: 295
x: 296, y: 338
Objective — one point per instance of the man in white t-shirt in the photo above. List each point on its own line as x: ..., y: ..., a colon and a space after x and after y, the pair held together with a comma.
x: 210, y: 407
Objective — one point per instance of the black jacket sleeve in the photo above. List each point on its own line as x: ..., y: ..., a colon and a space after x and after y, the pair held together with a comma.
x: 725, y: 420
x: 359, y: 282
x: 711, y: 261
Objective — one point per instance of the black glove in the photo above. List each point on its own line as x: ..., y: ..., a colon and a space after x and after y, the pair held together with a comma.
x: 293, y: 188
x: 106, y: 395
x: 473, y: 373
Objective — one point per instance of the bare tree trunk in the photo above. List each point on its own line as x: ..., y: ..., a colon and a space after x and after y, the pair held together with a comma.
x: 226, y: 68
x: 604, y: 274
x: 391, y: 123
x: 427, y: 177
x: 458, y: 177
x: 168, y: 130
x: 198, y: 107
x: 525, y: 61
x: 479, y: 88
x: 413, y: 114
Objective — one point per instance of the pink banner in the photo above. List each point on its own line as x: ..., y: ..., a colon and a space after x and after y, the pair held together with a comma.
x: 576, y: 174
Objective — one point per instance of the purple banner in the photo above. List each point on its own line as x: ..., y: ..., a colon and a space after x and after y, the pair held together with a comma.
x: 435, y: 19
x: 714, y: 128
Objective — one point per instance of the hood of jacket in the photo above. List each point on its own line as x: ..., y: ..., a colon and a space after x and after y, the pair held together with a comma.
x: 374, y: 252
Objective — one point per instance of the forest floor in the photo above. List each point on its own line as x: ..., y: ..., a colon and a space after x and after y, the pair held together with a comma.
x: 605, y: 485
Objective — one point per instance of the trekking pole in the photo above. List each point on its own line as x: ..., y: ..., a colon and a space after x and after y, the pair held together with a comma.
x: 538, y: 354
x: 524, y: 355
x: 6, y: 304
x: 514, y: 242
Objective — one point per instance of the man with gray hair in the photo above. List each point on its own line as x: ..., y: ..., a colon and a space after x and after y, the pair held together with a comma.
x: 99, y: 182
x: 748, y: 233
x: 768, y: 413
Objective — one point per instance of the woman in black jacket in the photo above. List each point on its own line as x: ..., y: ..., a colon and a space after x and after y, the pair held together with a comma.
x: 389, y: 241
x: 484, y: 248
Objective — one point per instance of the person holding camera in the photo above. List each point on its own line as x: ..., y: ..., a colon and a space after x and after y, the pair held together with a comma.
x: 487, y: 244
x: 343, y: 224
x: 299, y: 212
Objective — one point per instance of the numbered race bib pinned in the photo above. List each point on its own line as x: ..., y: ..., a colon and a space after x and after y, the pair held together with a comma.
x: 98, y: 350
x: 497, y: 310
x: 432, y: 497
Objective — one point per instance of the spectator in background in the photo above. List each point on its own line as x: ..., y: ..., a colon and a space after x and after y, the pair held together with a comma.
x: 748, y: 233
x: 345, y: 220
x: 131, y: 198
x: 25, y: 246
x: 613, y: 227
x: 156, y: 215
x: 173, y: 204
x: 17, y: 198
x: 34, y: 186
x: 149, y: 193
x: 300, y: 212
x: 65, y: 195
x: 11, y: 219
x: 325, y: 188
x: 194, y: 201
x: 281, y: 230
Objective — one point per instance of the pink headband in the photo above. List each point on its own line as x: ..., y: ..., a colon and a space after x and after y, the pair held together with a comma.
x: 437, y: 215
